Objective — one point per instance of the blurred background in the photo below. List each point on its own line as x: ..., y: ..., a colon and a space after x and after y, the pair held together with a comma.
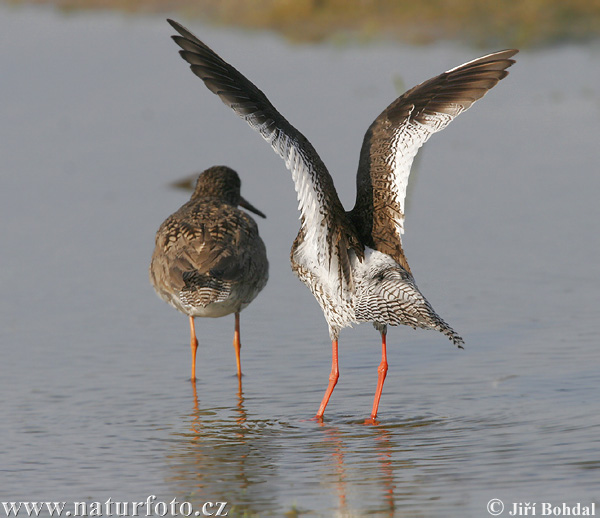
x: 512, y: 23
x: 102, y: 123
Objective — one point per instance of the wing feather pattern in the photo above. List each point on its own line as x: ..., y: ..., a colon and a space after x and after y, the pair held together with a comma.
x: 328, y: 236
x: 394, y: 138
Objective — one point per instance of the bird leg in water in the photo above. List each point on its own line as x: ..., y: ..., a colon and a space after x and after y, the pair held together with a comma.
x: 381, y: 373
x: 333, y: 378
x: 194, y: 346
x: 237, y: 345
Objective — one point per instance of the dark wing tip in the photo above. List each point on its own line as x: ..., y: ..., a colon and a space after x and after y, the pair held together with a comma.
x: 456, y: 339
x: 179, y: 28
x: 501, y: 55
x: 505, y: 54
x: 185, y: 37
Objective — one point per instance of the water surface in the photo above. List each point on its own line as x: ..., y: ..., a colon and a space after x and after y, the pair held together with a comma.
x: 99, y: 116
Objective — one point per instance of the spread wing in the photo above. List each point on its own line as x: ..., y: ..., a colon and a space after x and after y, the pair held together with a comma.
x: 327, y: 236
x: 393, y: 139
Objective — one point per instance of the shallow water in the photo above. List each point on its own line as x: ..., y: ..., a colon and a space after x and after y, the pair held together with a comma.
x: 99, y: 116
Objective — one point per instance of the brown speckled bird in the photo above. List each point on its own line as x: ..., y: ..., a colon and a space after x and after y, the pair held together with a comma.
x: 353, y: 261
x: 209, y: 260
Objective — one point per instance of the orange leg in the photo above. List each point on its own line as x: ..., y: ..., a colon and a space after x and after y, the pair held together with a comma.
x: 194, y: 346
x: 333, y: 378
x: 237, y: 345
x: 381, y: 373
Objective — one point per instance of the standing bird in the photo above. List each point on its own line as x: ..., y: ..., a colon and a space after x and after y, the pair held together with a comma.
x: 352, y: 261
x: 209, y: 260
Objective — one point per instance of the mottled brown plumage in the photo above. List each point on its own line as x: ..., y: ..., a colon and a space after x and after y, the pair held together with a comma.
x: 209, y: 260
x: 353, y: 262
x: 407, y: 123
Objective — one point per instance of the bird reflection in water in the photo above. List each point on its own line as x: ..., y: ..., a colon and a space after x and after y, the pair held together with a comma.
x: 228, y: 454
x: 221, y: 454
x: 196, y: 425
x: 342, y: 463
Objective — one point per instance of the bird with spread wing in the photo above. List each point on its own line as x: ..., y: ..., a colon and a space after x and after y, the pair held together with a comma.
x: 353, y: 261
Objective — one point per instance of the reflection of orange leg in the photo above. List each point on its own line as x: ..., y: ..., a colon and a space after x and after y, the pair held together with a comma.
x: 195, y: 396
x: 196, y: 425
x: 240, y: 405
x: 381, y: 373
x: 237, y: 346
x: 333, y: 378
x: 194, y: 346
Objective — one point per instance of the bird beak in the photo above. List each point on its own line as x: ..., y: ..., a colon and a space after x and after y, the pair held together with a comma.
x: 250, y: 207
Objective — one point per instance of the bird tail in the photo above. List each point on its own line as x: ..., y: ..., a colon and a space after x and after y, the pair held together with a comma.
x: 391, y: 297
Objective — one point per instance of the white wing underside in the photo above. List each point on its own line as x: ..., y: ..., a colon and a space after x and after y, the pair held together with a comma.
x: 317, y: 198
x: 310, y: 204
x: 396, y: 135
x: 406, y: 141
x: 316, y: 249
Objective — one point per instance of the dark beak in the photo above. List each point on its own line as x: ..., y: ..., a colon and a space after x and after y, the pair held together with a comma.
x: 251, y: 208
